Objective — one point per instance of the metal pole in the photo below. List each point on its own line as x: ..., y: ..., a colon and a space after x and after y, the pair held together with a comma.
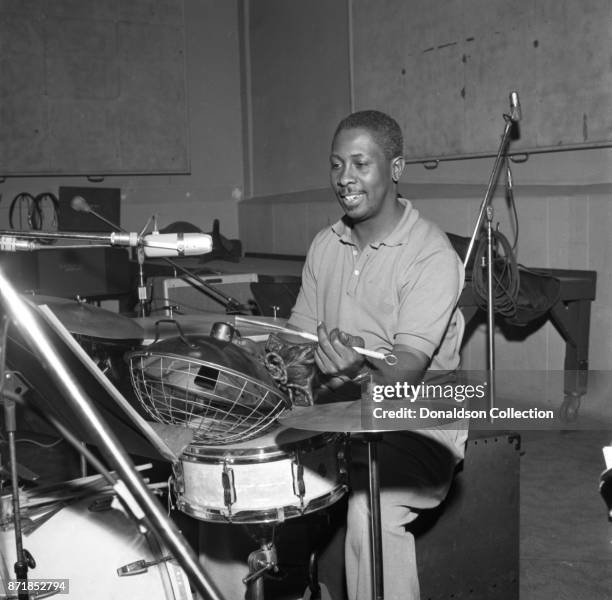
x: 378, y: 592
x: 512, y: 118
x: 490, y: 312
x: 131, y: 488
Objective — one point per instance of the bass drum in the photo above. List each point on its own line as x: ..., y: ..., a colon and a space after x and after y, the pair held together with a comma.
x: 86, y: 548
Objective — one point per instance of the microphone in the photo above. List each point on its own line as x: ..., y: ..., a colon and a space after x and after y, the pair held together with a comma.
x: 166, y: 245
x: 9, y: 243
x: 79, y: 204
x: 515, y: 107
x: 155, y: 245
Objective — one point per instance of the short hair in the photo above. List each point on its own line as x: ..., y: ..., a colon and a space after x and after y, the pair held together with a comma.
x: 383, y: 128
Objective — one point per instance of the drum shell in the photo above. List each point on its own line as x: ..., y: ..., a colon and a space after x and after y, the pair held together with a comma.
x: 265, y: 478
x: 87, y: 548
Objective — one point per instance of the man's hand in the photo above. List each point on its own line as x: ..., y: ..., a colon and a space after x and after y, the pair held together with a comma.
x: 334, y: 354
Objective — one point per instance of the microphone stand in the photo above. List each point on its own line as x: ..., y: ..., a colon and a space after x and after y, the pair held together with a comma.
x: 131, y: 488
x: 24, y: 558
x: 232, y: 305
x: 122, y: 238
x: 486, y: 210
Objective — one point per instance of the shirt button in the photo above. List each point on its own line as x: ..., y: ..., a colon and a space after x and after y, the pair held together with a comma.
x: 354, y: 252
x: 356, y: 272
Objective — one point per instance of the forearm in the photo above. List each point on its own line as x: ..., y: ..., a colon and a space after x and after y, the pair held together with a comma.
x: 410, y: 368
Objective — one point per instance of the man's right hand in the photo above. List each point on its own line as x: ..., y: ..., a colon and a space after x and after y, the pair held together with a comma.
x: 335, y: 356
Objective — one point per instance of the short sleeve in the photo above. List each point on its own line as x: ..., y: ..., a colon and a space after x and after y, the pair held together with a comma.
x: 304, y: 313
x: 427, y: 301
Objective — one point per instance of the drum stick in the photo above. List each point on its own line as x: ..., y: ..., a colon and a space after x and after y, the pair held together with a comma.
x: 313, y: 338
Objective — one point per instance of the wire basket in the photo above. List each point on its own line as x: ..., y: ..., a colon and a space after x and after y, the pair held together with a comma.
x: 222, y: 405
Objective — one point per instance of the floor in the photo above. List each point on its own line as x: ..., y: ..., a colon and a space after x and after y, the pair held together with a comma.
x: 565, y: 537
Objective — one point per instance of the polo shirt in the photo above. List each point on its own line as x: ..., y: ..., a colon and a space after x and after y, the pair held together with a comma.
x: 400, y: 292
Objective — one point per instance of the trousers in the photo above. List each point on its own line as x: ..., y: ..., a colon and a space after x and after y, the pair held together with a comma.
x: 416, y: 471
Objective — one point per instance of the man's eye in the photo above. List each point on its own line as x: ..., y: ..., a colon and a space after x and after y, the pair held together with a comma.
x: 335, y: 166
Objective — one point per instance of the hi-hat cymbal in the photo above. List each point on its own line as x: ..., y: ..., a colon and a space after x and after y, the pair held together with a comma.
x: 355, y: 417
x: 85, y: 319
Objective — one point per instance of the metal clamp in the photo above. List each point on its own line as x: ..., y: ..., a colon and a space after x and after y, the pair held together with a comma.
x: 229, y: 490
x: 297, y: 474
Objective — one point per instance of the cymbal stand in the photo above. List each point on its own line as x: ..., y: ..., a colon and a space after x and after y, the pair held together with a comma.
x: 260, y: 561
x: 24, y: 558
x: 376, y: 556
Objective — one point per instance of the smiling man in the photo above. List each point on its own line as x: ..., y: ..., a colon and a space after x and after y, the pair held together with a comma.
x: 384, y: 277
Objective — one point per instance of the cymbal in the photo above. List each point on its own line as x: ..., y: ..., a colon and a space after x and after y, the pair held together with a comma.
x: 86, y: 319
x: 354, y: 417
x: 162, y: 327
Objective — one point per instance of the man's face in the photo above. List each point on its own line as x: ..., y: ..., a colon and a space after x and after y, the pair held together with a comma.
x: 360, y: 174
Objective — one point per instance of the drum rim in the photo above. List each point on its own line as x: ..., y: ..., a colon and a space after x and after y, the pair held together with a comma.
x: 265, y: 515
x: 224, y: 455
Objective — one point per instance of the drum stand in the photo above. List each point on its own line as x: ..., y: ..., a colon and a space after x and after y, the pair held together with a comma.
x: 260, y: 561
x: 372, y: 440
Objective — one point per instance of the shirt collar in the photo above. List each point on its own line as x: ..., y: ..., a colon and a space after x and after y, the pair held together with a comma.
x: 396, y: 238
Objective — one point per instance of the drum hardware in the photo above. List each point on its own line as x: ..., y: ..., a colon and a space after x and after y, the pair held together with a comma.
x: 260, y: 561
x: 229, y: 490
x: 52, y: 343
x: 13, y: 382
x: 24, y: 560
x: 223, y: 331
x: 140, y: 566
x: 297, y: 472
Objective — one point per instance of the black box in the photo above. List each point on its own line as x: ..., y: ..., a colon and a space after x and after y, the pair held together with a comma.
x: 86, y: 272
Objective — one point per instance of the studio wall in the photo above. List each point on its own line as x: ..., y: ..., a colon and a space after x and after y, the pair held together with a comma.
x: 215, y: 183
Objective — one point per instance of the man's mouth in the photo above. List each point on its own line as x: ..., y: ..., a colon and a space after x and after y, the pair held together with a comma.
x: 352, y: 199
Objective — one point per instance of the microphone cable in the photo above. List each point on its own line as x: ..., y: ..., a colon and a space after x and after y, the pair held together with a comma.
x: 506, y: 277
x: 47, y: 213
x: 35, y: 213
x: 24, y: 204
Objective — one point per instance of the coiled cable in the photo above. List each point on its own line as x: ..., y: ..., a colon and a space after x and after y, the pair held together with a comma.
x: 506, y: 277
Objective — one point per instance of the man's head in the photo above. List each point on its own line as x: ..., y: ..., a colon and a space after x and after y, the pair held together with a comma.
x: 366, y: 163
x: 383, y: 128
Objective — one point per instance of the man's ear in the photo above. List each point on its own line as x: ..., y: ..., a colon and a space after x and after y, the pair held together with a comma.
x: 397, y: 168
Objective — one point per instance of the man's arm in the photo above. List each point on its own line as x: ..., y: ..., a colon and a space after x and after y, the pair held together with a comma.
x: 336, y: 358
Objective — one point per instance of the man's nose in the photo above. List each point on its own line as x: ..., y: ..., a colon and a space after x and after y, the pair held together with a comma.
x: 346, y: 175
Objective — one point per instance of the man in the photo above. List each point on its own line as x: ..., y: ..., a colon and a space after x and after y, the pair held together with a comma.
x: 385, y: 277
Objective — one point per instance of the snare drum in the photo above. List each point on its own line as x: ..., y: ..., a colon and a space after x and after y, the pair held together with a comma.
x: 283, y: 474
x: 87, y: 548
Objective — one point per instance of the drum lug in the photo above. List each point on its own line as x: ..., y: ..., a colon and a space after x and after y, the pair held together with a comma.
x: 229, y: 490
x: 297, y: 473
x: 178, y: 481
